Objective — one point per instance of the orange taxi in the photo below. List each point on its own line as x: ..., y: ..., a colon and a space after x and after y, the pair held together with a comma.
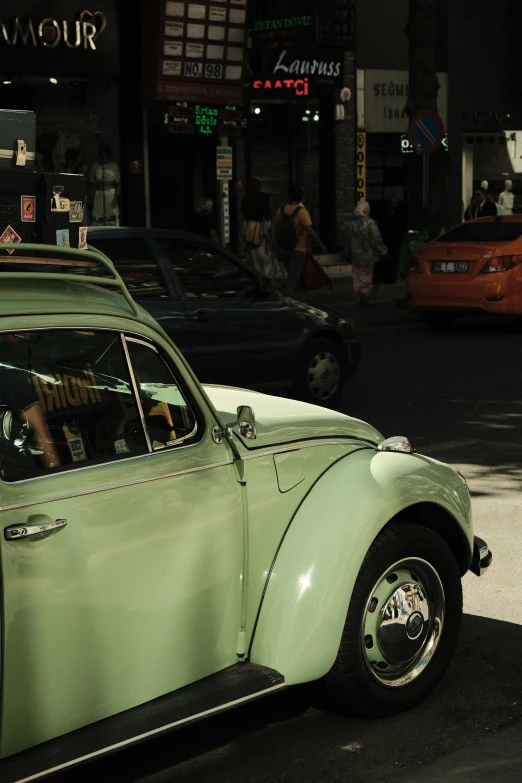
x: 474, y: 267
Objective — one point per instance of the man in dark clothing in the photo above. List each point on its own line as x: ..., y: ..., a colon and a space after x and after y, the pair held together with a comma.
x: 392, y: 225
x: 204, y: 222
x: 481, y: 207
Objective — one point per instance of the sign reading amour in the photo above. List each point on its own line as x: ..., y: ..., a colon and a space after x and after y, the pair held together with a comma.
x: 50, y: 32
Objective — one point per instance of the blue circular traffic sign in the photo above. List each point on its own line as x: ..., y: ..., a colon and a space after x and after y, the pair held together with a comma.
x: 426, y: 131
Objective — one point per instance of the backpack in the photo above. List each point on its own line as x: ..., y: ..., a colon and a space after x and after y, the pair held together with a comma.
x: 285, y: 233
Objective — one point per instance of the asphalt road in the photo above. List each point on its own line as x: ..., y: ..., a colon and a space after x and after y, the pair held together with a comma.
x: 458, y: 396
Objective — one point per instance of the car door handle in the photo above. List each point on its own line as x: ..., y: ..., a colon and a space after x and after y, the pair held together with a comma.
x: 17, y: 532
x: 201, y: 315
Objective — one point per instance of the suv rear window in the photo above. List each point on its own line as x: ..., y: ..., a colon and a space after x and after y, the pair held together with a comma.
x: 484, y: 232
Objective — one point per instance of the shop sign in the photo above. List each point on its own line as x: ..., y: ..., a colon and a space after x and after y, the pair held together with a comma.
x: 202, y: 41
x: 286, y: 23
x: 204, y: 120
x: 296, y: 73
x: 224, y: 162
x: 385, y: 97
x: 49, y: 32
x: 361, y: 167
x: 407, y: 146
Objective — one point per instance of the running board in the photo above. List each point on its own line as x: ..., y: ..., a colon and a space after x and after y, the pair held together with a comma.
x: 234, y: 686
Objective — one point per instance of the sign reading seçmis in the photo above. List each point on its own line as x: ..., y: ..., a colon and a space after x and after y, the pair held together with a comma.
x: 50, y: 33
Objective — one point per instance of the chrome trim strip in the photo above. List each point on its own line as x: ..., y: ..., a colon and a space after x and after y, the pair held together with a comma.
x: 146, y: 735
x: 109, y: 487
x: 306, y: 444
x: 137, y: 396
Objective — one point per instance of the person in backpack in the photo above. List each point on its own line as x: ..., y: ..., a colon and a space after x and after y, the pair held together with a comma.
x: 293, y: 226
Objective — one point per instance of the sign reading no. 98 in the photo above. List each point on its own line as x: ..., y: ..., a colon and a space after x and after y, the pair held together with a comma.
x: 200, y: 70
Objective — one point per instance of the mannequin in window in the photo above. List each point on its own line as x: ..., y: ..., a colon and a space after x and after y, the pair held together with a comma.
x: 104, y: 183
x: 507, y: 198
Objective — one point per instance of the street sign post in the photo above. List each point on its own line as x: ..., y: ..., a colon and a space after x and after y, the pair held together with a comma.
x: 426, y: 131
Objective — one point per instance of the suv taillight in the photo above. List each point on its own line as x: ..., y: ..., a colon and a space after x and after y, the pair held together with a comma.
x: 500, y: 264
x: 415, y: 266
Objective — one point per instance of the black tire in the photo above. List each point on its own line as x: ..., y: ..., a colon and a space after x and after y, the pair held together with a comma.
x: 354, y: 683
x: 322, y: 373
x: 439, y: 320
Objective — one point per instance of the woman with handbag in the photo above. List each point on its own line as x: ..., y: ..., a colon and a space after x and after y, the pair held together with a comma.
x: 366, y: 249
x: 260, y: 248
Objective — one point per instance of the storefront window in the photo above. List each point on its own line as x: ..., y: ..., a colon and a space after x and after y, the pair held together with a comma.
x: 285, y: 149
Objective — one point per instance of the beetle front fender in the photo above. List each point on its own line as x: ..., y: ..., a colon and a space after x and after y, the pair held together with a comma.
x: 308, y: 590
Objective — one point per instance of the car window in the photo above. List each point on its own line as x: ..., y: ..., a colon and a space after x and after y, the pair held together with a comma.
x: 205, y: 273
x: 484, y: 232
x: 66, y: 400
x: 169, y: 419
x: 135, y: 262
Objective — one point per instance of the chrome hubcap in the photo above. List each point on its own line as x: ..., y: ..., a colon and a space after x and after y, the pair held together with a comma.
x: 402, y: 622
x: 324, y: 375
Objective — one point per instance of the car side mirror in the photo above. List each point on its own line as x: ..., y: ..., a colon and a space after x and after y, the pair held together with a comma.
x: 246, y: 421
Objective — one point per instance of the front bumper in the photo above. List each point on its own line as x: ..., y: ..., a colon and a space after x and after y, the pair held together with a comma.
x: 482, y: 557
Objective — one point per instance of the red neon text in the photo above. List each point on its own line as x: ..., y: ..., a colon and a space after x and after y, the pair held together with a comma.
x: 300, y: 86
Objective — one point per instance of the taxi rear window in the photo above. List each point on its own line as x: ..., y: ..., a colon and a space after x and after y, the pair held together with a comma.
x: 484, y: 232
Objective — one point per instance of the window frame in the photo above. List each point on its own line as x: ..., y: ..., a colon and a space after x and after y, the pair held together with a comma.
x: 171, y: 444
x: 165, y: 259
x: 177, y: 445
x: 164, y: 268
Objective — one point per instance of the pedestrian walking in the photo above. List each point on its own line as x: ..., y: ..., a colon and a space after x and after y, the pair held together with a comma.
x: 365, y: 248
x: 204, y: 222
x: 293, y: 227
x: 392, y: 226
x: 260, y: 247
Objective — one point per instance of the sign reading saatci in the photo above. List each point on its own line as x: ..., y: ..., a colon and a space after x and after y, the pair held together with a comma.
x: 385, y: 97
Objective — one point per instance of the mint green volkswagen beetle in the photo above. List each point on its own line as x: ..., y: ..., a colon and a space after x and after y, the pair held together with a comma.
x: 170, y: 550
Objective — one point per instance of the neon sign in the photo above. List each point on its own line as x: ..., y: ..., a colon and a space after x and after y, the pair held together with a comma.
x: 299, y: 86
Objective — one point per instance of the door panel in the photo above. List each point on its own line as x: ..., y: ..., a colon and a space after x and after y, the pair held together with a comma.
x: 139, y: 594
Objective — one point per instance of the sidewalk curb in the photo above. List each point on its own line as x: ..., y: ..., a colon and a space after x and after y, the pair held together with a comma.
x: 495, y: 759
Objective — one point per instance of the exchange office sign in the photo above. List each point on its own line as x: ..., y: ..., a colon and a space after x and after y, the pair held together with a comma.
x: 297, y: 73
x: 385, y: 97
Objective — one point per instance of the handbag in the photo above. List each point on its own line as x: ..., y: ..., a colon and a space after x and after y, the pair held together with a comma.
x: 383, y: 272
x: 313, y: 276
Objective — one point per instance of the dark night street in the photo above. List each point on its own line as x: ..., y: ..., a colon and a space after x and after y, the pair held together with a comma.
x: 456, y: 395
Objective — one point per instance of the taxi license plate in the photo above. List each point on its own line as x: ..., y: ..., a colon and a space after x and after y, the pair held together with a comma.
x: 449, y: 266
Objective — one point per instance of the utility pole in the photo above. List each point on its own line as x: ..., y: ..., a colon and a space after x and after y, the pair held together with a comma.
x: 421, y: 31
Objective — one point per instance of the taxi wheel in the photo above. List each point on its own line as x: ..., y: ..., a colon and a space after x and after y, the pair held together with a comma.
x: 438, y: 320
x: 402, y: 624
x: 322, y: 373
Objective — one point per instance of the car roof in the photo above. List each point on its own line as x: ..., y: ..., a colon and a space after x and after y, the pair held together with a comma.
x: 45, y: 279
x: 498, y: 219
x: 49, y: 297
x: 106, y: 232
